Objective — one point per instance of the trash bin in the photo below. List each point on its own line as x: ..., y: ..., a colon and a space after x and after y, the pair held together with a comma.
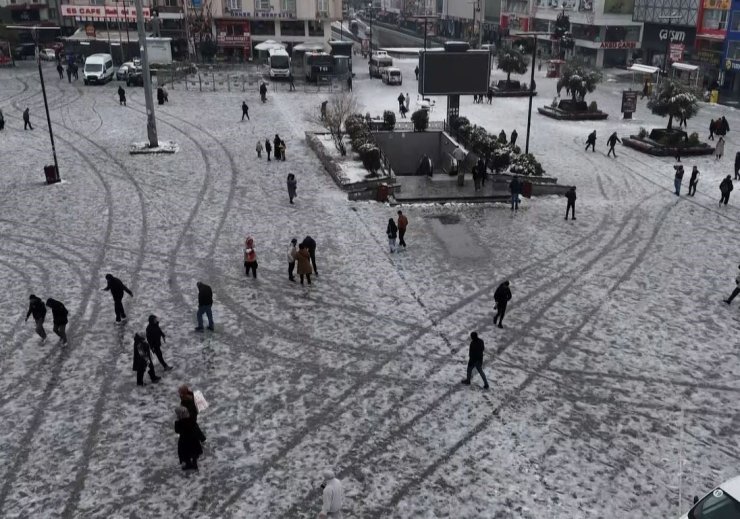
x: 51, y: 174
x: 383, y: 192
x: 527, y: 190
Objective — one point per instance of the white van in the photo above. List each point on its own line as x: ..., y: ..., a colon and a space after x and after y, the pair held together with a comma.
x: 98, y: 69
x: 391, y: 76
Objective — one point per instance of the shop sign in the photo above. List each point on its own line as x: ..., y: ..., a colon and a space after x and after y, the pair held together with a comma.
x: 676, y: 52
x: 618, y: 44
x: 224, y: 39
x: 722, y: 5
x: 263, y: 15
x: 676, y: 36
x: 103, y: 11
x: 710, y: 57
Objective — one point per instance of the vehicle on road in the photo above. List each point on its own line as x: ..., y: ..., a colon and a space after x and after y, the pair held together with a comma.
x: 48, y: 55
x: 317, y: 64
x: 24, y: 51
x: 379, y: 61
x: 127, y: 69
x: 721, y: 503
x: 279, y: 62
x: 391, y: 76
x: 98, y: 69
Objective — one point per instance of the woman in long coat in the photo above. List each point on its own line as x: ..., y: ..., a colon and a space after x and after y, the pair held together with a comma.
x: 189, y: 446
x: 304, y: 263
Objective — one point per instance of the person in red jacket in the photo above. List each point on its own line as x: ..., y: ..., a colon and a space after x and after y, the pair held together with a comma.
x: 403, y: 222
x: 250, y: 257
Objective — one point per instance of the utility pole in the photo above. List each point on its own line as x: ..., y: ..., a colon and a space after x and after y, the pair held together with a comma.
x: 151, y: 122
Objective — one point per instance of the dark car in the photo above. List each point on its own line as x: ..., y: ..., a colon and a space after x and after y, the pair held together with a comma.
x: 24, y: 50
x: 135, y: 78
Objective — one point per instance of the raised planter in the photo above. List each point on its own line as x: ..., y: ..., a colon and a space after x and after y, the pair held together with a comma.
x: 569, y: 110
x: 651, y: 147
x: 497, y: 92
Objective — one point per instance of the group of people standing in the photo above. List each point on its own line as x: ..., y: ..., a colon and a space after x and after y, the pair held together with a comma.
x: 725, y: 187
x: 404, y: 104
x: 303, y: 255
x: 278, y: 148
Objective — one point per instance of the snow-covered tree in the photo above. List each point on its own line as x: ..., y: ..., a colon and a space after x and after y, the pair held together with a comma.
x: 511, y: 61
x: 673, y: 99
x: 579, y: 78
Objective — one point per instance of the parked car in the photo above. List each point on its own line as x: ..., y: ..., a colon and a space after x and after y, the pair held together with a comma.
x: 24, y: 50
x: 124, y: 70
x: 135, y: 77
x: 48, y: 55
x: 721, y: 503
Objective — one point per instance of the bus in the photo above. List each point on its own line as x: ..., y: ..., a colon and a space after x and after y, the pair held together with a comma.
x: 378, y: 61
x: 279, y: 62
x: 317, y: 64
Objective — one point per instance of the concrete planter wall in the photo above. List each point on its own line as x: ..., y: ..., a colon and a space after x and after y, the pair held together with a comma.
x: 658, y: 150
x: 562, y: 115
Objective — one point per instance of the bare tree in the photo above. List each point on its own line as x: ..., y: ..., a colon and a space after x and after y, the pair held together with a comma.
x: 334, y: 113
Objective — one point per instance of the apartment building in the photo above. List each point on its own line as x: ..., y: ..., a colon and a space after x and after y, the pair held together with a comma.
x: 29, y: 12
x: 240, y: 25
x: 460, y: 19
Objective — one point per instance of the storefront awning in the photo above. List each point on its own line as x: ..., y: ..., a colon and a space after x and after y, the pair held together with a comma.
x: 643, y: 69
x: 114, y: 36
x: 685, y: 66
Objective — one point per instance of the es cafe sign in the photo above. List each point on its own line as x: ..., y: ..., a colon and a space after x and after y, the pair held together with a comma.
x: 102, y: 11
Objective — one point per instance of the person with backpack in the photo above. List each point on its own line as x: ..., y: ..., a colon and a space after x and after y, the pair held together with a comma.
x: 392, y: 232
x: 117, y: 289
x: 155, y: 336
x: 59, y: 319
x: 501, y: 297
x: 475, y: 359
x: 292, y: 186
x: 37, y: 309
x: 725, y: 188
x: 250, y: 257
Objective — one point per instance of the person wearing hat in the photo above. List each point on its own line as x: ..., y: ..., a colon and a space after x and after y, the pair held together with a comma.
x: 155, y: 336
x: 143, y: 360
x: 333, y: 495
x: 736, y: 291
x: 38, y: 310
x: 117, y: 289
x: 292, y: 254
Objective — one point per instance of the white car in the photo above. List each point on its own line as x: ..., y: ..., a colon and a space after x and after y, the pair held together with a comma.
x: 48, y: 55
x: 721, y: 503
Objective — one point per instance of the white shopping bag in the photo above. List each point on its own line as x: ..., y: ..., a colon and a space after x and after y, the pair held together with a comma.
x: 200, y: 401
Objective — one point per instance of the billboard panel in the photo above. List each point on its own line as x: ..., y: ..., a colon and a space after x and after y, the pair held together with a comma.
x: 451, y: 73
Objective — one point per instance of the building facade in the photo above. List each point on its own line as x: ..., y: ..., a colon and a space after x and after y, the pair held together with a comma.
x: 460, y: 19
x: 669, y: 29
x: 711, y: 32
x: 730, y: 75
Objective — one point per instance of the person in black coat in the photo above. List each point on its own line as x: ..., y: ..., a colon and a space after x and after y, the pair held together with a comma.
x: 514, y: 136
x: 310, y: 244
x: 155, y: 336
x: 611, y: 142
x: 38, y: 310
x: 268, y: 149
x: 475, y: 359
x: 143, y: 360
x: 591, y: 141
x: 59, y: 318
x: 245, y: 110
x: 693, y: 181
x: 160, y: 96
x: 276, y: 147
x: 121, y: 96
x: 481, y: 165
x: 735, y: 291
x: 60, y: 70
x: 502, y: 297
x: 205, y: 301
x: 515, y: 188
x: 571, y: 196
x: 725, y: 188
x: 189, y: 447
x: 263, y: 92
x: 117, y: 289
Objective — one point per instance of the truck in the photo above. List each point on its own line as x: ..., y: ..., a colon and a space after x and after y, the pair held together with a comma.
x: 317, y: 64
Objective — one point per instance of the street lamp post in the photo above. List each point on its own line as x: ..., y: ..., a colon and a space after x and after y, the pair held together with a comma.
x: 670, y: 18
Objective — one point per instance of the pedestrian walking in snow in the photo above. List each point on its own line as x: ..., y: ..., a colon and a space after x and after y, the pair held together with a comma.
x: 292, y: 187
x: 737, y: 165
x: 645, y: 89
x: 482, y: 169
x: 403, y: 223
x: 245, y: 110
x: 187, y: 400
x: 501, y: 297
x: 489, y: 95
x: 69, y: 73
x: 407, y: 102
x: 276, y: 147
x: 60, y: 70
x: 678, y: 179
x: 403, y: 111
x: 392, y: 232
x: 514, y: 137
x: 591, y: 141
x: 725, y: 188
x: 401, y: 102
x: 2, y: 121
x: 304, y: 263
x: 117, y: 289
x: 719, y: 150
x: 121, y: 96
x: 475, y: 359
x: 263, y: 92
x: 291, y: 84
x: 37, y: 309
x: 323, y: 109
x: 250, y: 257
x: 189, y: 444
x: 143, y: 360
x: 736, y: 290
x: 416, y: 71
x: 268, y: 149
x: 712, y: 128
x: 75, y: 71
x: 571, y: 196
x: 205, y: 302
x: 258, y: 148
x: 160, y: 96
x: 155, y: 336
x: 27, y: 119
x: 693, y: 181
x: 292, y: 254
x: 332, y: 496
x: 515, y: 187
x: 724, y: 125
x: 476, y: 177
x: 310, y: 244
x: 59, y: 319
x: 611, y: 142
x: 349, y: 82
x: 282, y: 150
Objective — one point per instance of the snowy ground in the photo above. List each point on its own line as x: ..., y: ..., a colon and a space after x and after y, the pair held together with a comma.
x: 614, y: 383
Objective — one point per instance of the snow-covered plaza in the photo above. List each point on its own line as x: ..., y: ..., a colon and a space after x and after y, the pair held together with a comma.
x: 614, y: 383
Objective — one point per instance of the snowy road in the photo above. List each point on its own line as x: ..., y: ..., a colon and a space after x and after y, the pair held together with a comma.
x: 614, y: 383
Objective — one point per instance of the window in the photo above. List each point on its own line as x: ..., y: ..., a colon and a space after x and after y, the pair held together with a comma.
x: 288, y: 6
x: 290, y: 28
x: 262, y: 5
x: 322, y: 6
x: 170, y: 3
x: 716, y: 505
x: 714, y: 20
x: 735, y: 26
x: 733, y: 50
x: 263, y: 28
x: 234, y: 5
x: 52, y: 13
x: 315, y: 28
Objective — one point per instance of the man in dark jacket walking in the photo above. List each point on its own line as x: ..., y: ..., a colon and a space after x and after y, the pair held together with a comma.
x: 60, y: 70
x: 693, y: 181
x: 117, y: 289
x: 736, y: 291
x: 611, y: 142
x: 38, y: 310
x: 245, y: 110
x: 501, y: 297
x: 725, y: 188
x: 401, y: 102
x: 591, y: 141
x: 121, y: 96
x: 155, y: 336
x: 475, y: 359
x: 515, y: 187
x: 263, y: 92
x: 268, y: 149
x: 482, y: 171
x: 59, y: 316
x: 310, y: 244
x: 737, y: 165
x: 205, y: 301
x: 571, y: 196
x: 27, y: 119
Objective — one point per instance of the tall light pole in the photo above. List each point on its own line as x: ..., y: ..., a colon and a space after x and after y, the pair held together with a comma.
x: 531, y: 82
x: 670, y: 18
x: 151, y: 122
x: 34, y: 34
